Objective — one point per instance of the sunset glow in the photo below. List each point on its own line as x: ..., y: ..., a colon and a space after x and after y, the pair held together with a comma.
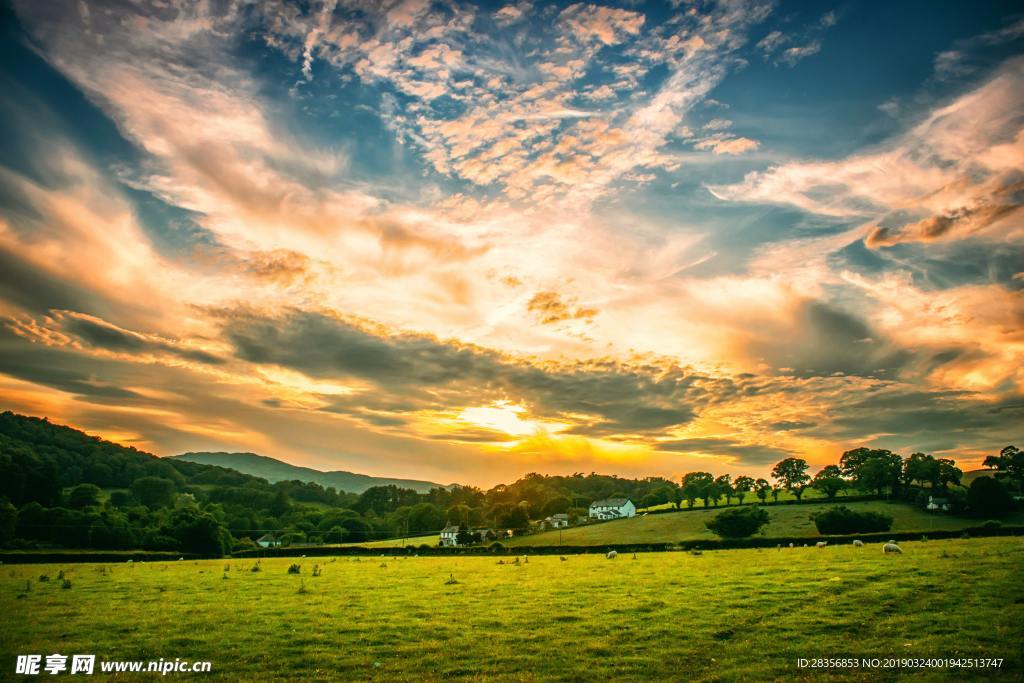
x: 463, y: 242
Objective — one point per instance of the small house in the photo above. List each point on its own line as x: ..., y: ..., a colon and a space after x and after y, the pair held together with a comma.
x: 268, y: 541
x: 559, y: 521
x: 612, y: 508
x: 449, y: 536
x: 937, y: 503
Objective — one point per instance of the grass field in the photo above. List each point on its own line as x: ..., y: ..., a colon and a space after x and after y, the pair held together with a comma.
x: 431, y: 540
x: 786, y: 520
x: 723, y: 615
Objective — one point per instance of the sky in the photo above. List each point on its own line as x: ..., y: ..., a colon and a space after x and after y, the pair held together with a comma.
x: 462, y: 242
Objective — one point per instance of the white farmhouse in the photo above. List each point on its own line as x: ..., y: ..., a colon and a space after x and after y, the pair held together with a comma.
x: 612, y: 508
x: 450, y: 536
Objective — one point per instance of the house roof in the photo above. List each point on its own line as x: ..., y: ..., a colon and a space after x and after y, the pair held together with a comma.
x: 560, y: 515
x: 266, y: 537
x: 450, y: 529
x: 609, y: 503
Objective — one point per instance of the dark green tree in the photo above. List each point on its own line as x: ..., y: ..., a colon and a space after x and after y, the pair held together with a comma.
x: 742, y: 486
x: 153, y: 492
x: 829, y: 481
x: 763, y: 489
x: 698, y: 485
x: 791, y: 473
x: 84, y: 496
x: 723, y: 487
x: 987, y: 497
x: 872, y: 469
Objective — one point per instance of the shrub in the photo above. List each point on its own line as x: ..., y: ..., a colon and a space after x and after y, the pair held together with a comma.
x: 739, y: 522
x: 497, y: 547
x: 842, y: 520
x: 65, y: 584
x: 990, y: 524
x: 294, y: 568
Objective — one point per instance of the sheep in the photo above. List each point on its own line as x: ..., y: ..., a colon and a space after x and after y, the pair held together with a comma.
x: 790, y: 545
x: 891, y: 547
x: 857, y: 543
x: 612, y: 554
x: 821, y: 544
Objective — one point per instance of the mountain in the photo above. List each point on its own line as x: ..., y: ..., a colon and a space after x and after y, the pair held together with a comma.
x: 274, y: 470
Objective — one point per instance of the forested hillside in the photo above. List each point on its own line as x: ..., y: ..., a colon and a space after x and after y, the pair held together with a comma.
x: 60, y: 487
x: 274, y: 470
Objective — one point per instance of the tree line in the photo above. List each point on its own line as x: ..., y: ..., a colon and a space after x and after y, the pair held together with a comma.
x: 61, y: 487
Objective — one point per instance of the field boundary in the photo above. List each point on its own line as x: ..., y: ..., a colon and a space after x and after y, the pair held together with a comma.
x: 696, y: 544
x: 71, y: 556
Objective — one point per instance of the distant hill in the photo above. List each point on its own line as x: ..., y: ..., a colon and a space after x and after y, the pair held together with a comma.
x: 274, y: 470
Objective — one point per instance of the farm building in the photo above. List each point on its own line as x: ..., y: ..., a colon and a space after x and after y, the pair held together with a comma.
x: 938, y: 503
x: 268, y: 541
x: 559, y: 521
x: 612, y: 508
x: 449, y: 536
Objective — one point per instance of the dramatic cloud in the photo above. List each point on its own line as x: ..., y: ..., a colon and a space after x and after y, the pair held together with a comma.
x: 461, y: 242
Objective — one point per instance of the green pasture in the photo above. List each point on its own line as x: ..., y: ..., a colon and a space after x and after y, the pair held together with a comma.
x: 786, y: 521
x: 733, y: 615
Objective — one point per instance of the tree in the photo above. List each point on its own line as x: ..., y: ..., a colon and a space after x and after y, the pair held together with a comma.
x: 465, y: 536
x: 763, y: 488
x: 458, y: 515
x: 674, y: 495
x: 1009, y: 461
x: 921, y: 468
x: 872, y: 469
x: 843, y: 520
x: 723, y: 487
x: 829, y: 481
x: 281, y: 505
x: 199, y: 532
x: 792, y: 474
x: 425, y: 518
x: 509, y: 516
x: 555, y: 506
x: 335, y: 534
x: 83, y: 496
x: 987, y: 497
x: 742, y: 486
x: 947, y: 473
x: 739, y: 522
x: 153, y: 492
x: 8, y: 521
x: 698, y: 485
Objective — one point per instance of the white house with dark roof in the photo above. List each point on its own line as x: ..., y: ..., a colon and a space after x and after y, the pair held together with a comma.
x: 612, y: 508
x: 449, y: 536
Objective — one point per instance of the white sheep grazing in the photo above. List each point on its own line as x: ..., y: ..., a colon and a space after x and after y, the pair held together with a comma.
x: 891, y: 547
x: 821, y: 544
x: 790, y: 545
x: 857, y: 543
x: 612, y: 555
